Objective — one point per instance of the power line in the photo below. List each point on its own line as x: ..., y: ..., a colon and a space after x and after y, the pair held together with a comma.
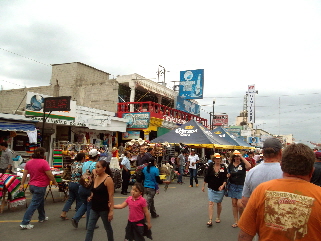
x: 25, y: 57
x: 13, y: 83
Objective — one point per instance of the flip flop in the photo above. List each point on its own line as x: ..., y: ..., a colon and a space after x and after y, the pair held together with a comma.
x: 234, y: 225
x: 217, y: 220
x: 64, y: 218
x: 209, y: 223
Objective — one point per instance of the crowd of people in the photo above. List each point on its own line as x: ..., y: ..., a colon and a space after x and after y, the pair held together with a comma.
x: 282, y: 193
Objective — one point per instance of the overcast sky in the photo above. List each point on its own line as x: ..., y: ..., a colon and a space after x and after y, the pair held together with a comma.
x: 275, y: 45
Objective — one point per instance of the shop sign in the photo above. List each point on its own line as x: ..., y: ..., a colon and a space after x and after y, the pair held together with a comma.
x: 137, y: 120
x: 130, y: 135
x: 35, y: 107
x: 220, y: 120
x: 174, y: 119
x: 187, y: 131
x: 59, y: 121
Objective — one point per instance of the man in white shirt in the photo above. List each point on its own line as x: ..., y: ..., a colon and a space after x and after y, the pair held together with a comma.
x: 193, y: 159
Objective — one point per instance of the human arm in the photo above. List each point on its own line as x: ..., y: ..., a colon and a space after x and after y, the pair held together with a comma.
x: 147, y: 216
x: 246, y: 162
x: 244, y: 201
x: 244, y: 236
x: 110, y: 187
x: 120, y: 206
x: 24, y: 176
x: 51, y: 177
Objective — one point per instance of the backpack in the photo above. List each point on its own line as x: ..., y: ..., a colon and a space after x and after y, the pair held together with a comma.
x: 139, y: 175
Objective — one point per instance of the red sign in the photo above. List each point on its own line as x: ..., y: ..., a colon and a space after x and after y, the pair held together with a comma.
x: 220, y: 120
x: 61, y: 103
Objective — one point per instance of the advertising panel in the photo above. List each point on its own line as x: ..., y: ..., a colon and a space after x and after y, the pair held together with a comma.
x: 35, y: 105
x: 251, y: 104
x: 220, y: 120
x: 137, y: 120
x: 191, y: 84
x: 130, y: 135
x: 187, y: 106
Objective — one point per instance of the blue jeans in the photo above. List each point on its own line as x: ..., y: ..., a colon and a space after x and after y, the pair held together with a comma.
x: 93, y: 218
x: 37, y: 203
x: 192, y: 174
x: 181, y: 172
x: 73, y: 188
x: 84, y: 193
x: 150, y: 194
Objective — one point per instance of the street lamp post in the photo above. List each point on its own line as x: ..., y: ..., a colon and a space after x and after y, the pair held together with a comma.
x: 212, y: 123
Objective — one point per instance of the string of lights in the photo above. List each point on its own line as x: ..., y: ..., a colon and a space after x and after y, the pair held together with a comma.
x: 24, y: 57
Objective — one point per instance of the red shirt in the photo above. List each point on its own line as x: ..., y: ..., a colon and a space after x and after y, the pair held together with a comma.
x: 251, y: 161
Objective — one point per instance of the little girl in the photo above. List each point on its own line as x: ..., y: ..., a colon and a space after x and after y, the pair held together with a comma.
x: 137, y: 212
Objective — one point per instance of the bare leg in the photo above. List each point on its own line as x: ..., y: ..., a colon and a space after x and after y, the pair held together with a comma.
x: 240, y: 207
x: 210, y: 210
x: 219, y: 210
x: 235, y: 210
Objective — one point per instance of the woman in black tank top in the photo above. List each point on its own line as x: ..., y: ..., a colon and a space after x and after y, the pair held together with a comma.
x: 102, y: 197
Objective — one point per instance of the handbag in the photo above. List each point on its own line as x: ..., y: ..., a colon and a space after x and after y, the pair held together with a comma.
x: 87, y: 179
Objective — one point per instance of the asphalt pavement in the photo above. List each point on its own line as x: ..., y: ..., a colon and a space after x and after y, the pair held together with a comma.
x: 183, y: 217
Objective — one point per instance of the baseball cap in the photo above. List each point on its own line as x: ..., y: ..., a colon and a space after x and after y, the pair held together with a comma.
x: 93, y: 152
x: 217, y: 155
x: 272, y: 143
x: 318, y: 154
x: 193, y: 150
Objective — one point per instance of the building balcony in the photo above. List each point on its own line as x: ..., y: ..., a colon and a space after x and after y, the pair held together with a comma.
x: 158, y: 111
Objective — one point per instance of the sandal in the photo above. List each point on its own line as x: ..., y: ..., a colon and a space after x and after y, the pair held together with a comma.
x: 209, y: 223
x: 217, y: 220
x: 64, y: 218
x: 234, y: 225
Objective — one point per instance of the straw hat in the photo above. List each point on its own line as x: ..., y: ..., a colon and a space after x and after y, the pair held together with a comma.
x: 236, y: 152
x: 217, y: 155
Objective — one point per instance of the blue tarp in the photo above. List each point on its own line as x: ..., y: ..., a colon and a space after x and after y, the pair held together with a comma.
x: 14, y: 126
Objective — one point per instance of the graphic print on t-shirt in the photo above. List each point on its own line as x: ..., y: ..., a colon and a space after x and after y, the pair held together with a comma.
x: 288, y: 213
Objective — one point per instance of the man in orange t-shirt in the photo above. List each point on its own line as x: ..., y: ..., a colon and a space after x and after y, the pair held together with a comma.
x: 288, y: 208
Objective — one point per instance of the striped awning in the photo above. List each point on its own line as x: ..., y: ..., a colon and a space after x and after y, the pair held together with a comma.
x: 14, y: 126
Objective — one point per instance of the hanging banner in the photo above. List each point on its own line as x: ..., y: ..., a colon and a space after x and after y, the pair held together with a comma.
x: 187, y: 106
x: 191, y: 84
x: 251, y: 104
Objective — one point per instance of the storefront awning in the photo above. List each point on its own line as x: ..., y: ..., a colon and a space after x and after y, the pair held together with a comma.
x: 12, y: 126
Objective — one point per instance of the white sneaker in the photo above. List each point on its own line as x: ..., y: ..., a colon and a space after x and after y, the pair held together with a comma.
x: 41, y: 221
x: 28, y: 226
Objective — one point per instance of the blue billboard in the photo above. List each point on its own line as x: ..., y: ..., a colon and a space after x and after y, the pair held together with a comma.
x: 191, y: 84
x: 187, y: 106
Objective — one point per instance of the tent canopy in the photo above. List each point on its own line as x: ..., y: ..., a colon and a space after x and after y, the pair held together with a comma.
x: 193, y: 133
x: 14, y: 126
x: 238, y: 143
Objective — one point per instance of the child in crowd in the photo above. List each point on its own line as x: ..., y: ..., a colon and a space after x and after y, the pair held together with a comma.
x: 138, y: 211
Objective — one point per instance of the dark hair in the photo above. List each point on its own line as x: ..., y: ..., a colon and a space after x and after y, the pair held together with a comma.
x: 39, y: 153
x: 149, y: 149
x: 126, y: 153
x: 80, y: 156
x: 4, y: 144
x: 269, y: 152
x: 297, y: 159
x: 103, y: 163
x: 140, y: 187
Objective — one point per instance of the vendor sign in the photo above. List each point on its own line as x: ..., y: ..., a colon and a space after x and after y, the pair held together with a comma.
x: 137, y: 120
x: 130, y: 135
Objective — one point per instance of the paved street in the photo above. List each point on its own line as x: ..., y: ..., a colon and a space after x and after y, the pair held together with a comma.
x: 182, y: 210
